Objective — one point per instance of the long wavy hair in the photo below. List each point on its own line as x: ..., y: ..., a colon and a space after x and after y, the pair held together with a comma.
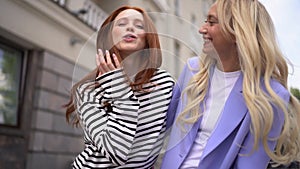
x: 104, y: 41
x: 260, y: 57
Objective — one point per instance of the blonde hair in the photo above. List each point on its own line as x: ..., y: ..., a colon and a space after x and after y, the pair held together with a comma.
x: 260, y: 57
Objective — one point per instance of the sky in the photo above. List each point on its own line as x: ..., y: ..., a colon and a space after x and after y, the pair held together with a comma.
x: 285, y: 15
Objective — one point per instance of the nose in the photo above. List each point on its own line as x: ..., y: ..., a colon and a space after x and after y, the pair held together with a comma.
x: 203, y: 29
x: 130, y: 28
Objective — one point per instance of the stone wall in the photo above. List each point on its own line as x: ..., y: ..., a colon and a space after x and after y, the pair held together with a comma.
x: 52, y: 142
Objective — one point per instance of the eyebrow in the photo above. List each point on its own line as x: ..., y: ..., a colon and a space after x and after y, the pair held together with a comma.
x: 121, y: 19
x: 125, y: 18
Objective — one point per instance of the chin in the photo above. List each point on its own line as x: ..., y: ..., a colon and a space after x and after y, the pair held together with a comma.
x: 211, y: 53
x: 207, y: 51
x: 131, y: 48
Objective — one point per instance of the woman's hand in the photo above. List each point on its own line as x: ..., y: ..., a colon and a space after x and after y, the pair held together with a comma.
x: 105, y: 64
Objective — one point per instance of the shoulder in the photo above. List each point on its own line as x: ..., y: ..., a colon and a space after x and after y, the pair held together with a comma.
x: 280, y: 90
x: 162, y: 80
x: 193, y: 62
x: 192, y: 66
x: 190, y: 69
x: 277, y: 86
x: 163, y: 74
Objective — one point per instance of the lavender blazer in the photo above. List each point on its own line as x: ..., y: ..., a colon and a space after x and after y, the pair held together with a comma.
x: 231, y: 142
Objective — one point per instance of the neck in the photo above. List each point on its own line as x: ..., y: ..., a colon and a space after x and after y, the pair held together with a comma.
x: 133, y: 63
x: 229, y: 63
x: 125, y: 54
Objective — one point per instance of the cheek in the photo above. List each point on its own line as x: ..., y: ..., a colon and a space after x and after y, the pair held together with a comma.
x: 116, y: 35
x: 215, y: 33
x: 140, y: 32
x: 217, y: 37
x: 142, y: 37
x: 142, y: 42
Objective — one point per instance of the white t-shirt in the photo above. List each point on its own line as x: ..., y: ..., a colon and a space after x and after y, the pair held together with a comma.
x: 220, y: 88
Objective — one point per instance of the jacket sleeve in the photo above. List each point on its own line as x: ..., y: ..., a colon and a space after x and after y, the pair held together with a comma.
x: 108, y: 113
x: 175, y: 106
x: 248, y: 158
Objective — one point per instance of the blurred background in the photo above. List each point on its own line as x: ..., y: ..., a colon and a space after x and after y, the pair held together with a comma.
x: 48, y: 45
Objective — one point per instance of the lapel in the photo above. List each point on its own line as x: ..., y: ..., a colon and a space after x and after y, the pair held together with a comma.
x: 233, y: 113
x: 188, y: 140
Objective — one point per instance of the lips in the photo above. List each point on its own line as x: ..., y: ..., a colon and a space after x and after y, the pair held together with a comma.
x: 207, y: 40
x: 129, y: 37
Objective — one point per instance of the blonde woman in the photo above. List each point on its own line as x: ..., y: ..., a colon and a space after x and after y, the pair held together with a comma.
x: 231, y: 108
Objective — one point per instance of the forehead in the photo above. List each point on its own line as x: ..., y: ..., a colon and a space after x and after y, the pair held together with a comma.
x: 213, y: 11
x: 130, y: 14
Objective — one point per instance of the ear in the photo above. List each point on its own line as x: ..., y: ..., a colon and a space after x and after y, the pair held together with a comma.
x: 233, y: 38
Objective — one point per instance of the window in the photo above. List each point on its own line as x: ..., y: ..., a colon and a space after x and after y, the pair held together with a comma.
x: 10, y: 80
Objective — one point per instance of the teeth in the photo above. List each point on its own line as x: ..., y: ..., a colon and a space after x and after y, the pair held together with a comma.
x: 129, y: 36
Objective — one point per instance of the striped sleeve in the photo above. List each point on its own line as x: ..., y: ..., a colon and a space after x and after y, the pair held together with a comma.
x: 109, y: 115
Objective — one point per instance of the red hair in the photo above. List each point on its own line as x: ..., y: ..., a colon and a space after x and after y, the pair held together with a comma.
x: 104, y: 41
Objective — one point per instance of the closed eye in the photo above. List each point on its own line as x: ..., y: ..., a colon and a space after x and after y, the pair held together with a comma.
x: 121, y: 24
x: 140, y: 26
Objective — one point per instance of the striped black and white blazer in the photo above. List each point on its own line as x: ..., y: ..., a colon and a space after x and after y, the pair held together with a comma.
x: 123, y: 128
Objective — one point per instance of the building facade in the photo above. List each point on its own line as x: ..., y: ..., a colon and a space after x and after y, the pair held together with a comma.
x: 46, y: 46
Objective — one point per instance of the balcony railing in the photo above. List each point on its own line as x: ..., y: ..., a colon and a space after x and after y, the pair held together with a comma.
x: 88, y: 12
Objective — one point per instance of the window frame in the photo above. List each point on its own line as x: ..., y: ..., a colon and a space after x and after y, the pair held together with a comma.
x: 18, y: 128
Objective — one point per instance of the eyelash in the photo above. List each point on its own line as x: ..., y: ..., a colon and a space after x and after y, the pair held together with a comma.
x: 138, y: 26
x: 211, y: 23
x: 121, y: 24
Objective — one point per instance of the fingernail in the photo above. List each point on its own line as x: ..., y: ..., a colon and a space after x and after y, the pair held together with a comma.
x: 99, y: 50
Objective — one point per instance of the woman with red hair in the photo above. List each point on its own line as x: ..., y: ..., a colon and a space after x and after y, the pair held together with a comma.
x: 122, y: 104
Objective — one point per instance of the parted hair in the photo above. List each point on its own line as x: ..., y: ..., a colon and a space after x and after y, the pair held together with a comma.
x: 248, y: 22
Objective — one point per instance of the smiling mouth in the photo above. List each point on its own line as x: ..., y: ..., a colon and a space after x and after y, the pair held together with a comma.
x: 207, y: 41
